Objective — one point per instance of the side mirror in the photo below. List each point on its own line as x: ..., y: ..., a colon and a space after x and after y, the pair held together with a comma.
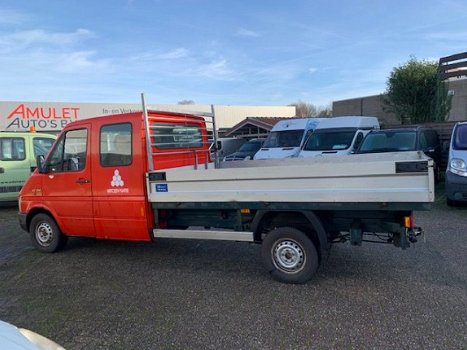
x: 41, y: 167
x: 445, y: 146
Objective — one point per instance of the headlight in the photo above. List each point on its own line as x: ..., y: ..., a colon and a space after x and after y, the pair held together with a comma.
x: 457, y: 166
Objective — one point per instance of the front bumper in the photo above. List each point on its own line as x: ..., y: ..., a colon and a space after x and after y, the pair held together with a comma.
x: 456, y: 187
x: 23, y: 221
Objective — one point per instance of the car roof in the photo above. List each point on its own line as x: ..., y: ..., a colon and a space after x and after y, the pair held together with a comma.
x: 411, y: 129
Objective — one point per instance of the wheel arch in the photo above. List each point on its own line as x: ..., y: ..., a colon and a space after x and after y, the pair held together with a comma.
x: 266, y: 219
x: 39, y: 210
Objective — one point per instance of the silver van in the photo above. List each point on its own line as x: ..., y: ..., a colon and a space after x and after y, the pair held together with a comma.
x: 456, y: 172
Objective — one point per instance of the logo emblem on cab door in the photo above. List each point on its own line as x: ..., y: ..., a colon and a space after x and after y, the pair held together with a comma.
x: 117, y: 184
x: 117, y: 179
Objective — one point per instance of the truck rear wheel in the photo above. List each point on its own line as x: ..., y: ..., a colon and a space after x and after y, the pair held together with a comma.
x: 289, y: 255
x: 45, y: 234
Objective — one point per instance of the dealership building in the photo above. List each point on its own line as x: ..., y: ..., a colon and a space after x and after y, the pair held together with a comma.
x: 53, y: 116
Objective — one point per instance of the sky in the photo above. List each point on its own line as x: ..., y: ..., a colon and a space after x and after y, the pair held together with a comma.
x: 217, y: 52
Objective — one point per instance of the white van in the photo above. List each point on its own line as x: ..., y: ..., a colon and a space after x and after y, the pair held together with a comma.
x: 338, y: 135
x: 286, y: 138
x: 456, y: 172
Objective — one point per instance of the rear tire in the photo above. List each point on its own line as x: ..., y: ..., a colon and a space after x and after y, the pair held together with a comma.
x: 289, y: 255
x: 45, y: 234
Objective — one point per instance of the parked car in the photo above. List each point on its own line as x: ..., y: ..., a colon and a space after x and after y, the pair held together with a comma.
x: 246, y: 151
x: 228, y: 145
x: 405, y: 139
x: 456, y: 172
x: 12, y: 337
x: 18, y: 153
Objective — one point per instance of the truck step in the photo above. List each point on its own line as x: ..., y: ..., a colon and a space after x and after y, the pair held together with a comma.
x: 204, y: 234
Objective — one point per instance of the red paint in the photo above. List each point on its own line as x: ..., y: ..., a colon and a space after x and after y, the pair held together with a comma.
x: 96, y: 207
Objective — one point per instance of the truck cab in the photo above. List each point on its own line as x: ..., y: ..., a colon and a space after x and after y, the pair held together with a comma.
x: 93, y: 180
x: 18, y: 152
x: 338, y: 136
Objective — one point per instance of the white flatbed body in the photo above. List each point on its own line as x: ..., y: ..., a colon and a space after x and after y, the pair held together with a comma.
x: 400, y: 177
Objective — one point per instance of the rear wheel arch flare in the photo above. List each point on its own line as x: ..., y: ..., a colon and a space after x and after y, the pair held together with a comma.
x: 265, y: 218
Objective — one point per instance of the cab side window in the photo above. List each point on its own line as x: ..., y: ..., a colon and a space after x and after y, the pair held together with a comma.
x: 69, y: 153
x: 12, y: 148
x: 115, y: 145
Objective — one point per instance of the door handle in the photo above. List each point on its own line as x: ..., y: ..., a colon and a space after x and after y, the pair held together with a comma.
x: 83, y: 181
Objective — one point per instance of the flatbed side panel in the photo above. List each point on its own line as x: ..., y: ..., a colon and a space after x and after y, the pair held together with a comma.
x: 347, y: 179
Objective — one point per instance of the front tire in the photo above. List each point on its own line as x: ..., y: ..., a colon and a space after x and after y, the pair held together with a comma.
x: 45, y: 234
x: 289, y: 255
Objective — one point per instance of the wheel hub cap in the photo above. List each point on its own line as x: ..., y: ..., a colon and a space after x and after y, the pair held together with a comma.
x: 44, y: 234
x: 289, y: 256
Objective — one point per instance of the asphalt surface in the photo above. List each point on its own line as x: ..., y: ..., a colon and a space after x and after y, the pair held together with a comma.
x: 179, y: 294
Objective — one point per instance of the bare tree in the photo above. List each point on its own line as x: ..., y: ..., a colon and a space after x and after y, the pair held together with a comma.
x: 303, y: 110
x: 325, y: 112
x: 186, y: 102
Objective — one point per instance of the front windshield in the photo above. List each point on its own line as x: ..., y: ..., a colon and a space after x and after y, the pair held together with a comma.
x: 390, y: 141
x: 285, y: 138
x: 335, y: 140
x: 460, y: 137
x: 250, y: 147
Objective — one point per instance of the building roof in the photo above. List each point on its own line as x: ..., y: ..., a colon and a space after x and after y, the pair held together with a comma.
x: 260, y: 124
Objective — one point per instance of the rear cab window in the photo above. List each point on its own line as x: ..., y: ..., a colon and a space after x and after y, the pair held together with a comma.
x: 176, y: 136
x: 115, y: 145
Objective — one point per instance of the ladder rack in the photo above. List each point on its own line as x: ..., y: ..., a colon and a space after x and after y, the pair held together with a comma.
x: 150, y: 129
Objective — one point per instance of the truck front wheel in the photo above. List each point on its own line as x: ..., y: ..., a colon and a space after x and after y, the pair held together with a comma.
x: 45, y: 234
x: 289, y: 255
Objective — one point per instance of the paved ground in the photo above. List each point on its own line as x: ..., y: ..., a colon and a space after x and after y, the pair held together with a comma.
x: 215, y: 295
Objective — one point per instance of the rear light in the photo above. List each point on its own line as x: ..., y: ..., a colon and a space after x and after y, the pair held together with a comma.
x: 408, y: 221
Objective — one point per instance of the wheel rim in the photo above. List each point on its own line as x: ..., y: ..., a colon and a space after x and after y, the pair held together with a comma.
x: 289, y: 256
x: 44, y: 234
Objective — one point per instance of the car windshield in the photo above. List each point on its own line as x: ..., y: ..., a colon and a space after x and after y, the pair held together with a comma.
x: 250, y: 147
x: 333, y: 140
x: 285, y: 138
x: 389, y: 141
x: 460, y: 137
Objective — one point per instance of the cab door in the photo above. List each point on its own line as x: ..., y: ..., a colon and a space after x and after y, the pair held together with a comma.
x: 67, y: 186
x: 121, y: 208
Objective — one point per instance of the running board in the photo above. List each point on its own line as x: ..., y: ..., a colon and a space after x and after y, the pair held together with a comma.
x: 204, y: 234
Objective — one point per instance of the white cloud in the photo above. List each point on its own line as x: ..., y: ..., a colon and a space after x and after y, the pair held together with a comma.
x: 216, y: 70
x: 10, y: 17
x: 312, y: 70
x: 448, y: 36
x: 76, y: 62
x: 247, y: 33
x: 174, y: 54
x: 28, y: 38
